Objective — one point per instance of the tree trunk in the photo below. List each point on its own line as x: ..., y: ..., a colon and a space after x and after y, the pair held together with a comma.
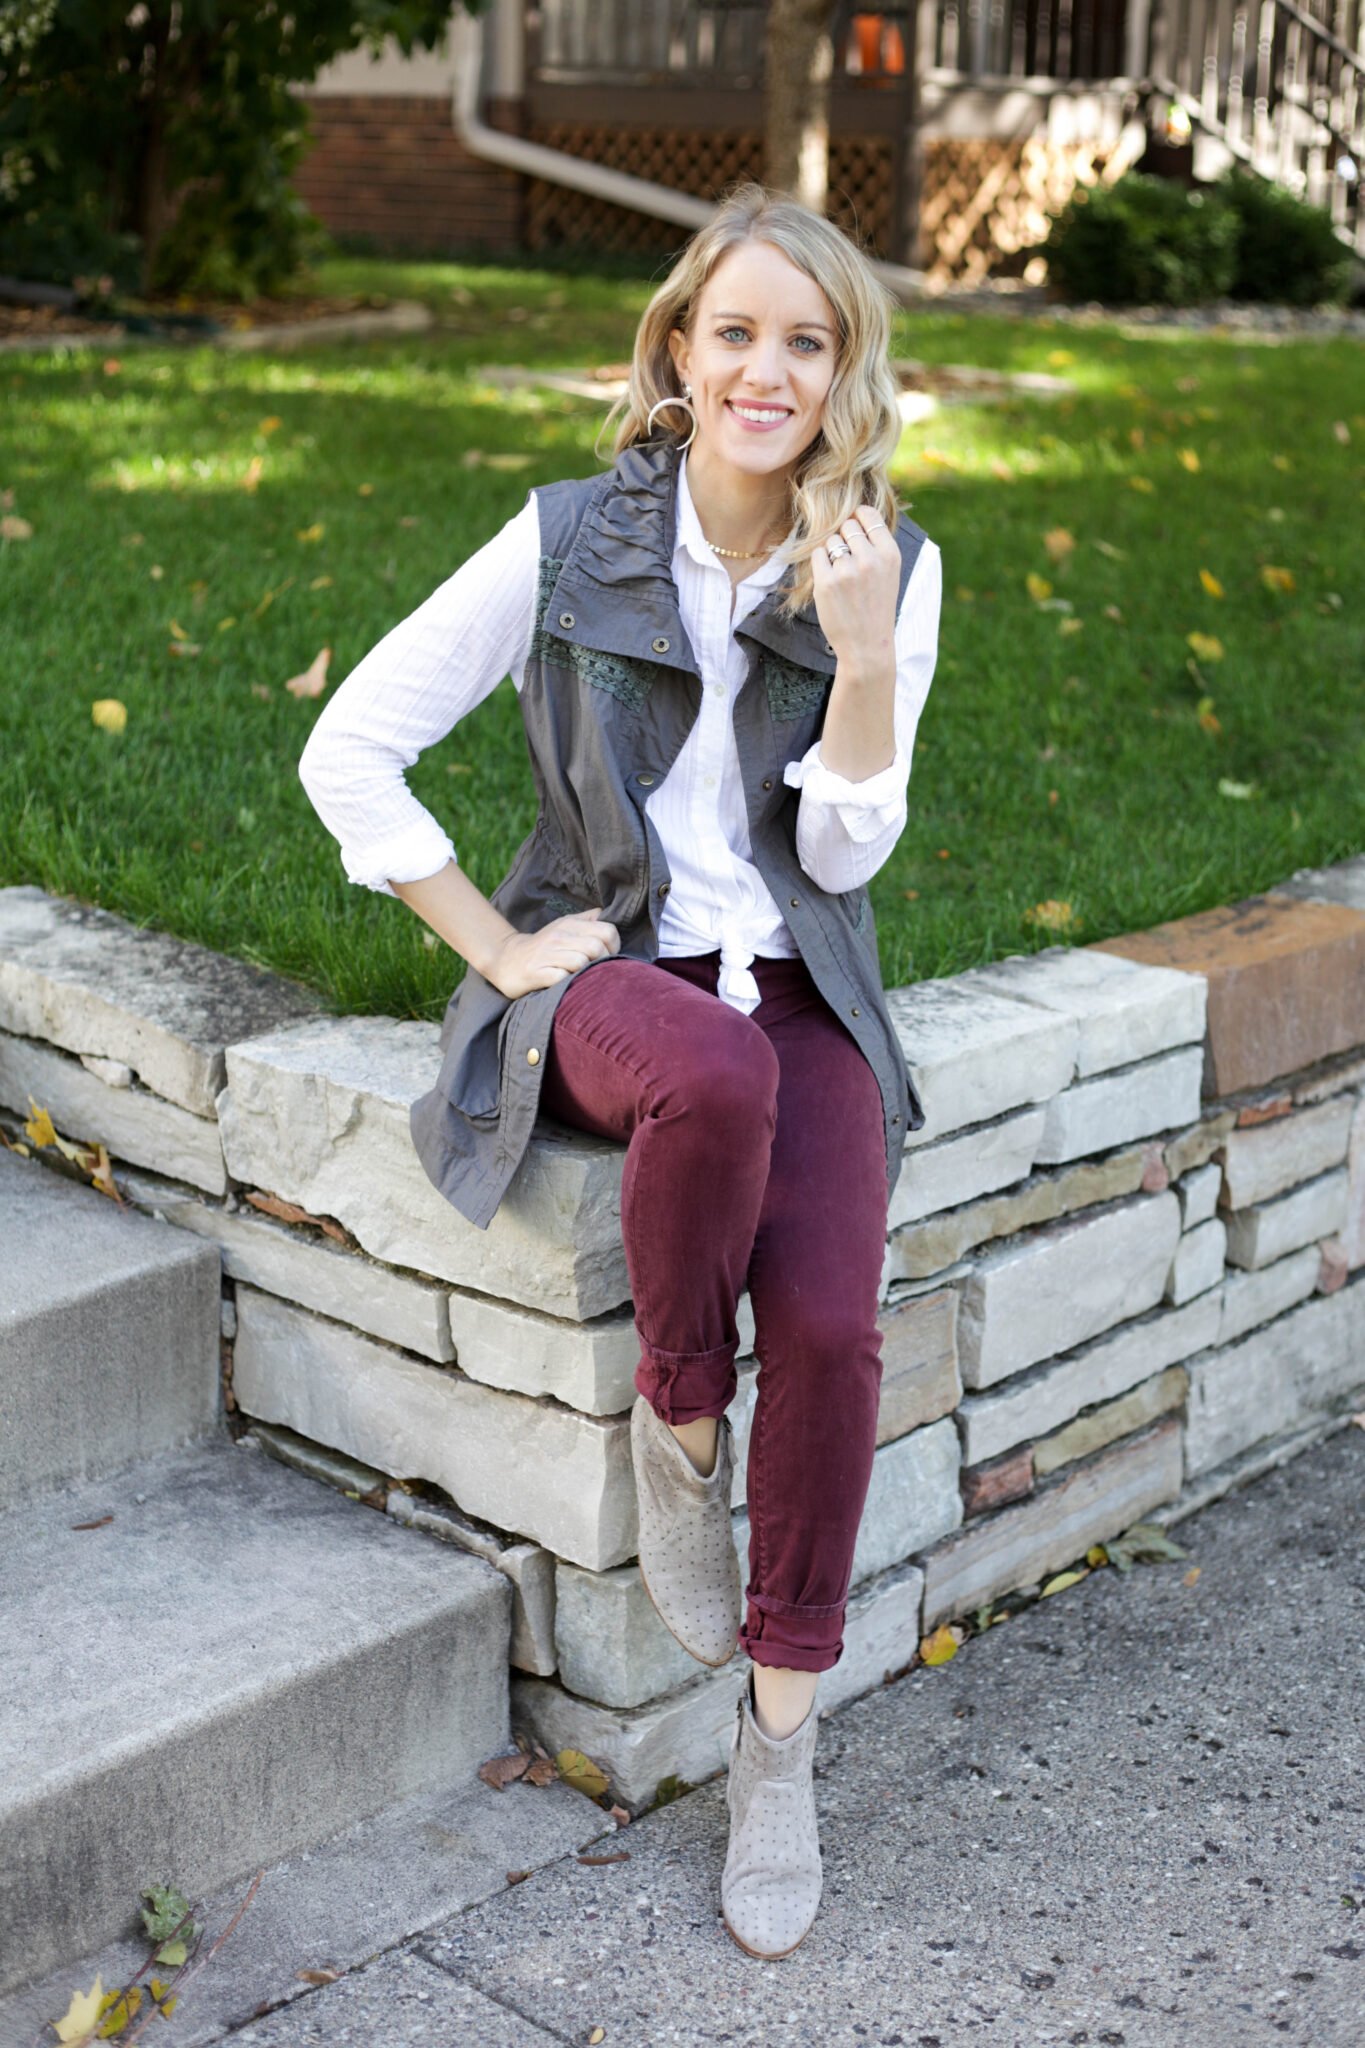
x: 153, y: 205
x: 798, y: 60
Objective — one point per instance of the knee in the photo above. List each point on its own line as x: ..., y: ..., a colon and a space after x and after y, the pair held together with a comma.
x: 731, y: 1074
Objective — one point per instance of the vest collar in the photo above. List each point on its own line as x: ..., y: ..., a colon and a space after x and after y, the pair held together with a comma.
x: 617, y: 581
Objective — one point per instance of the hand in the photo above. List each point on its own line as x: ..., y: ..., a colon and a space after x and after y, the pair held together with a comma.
x: 529, y: 960
x: 855, y: 595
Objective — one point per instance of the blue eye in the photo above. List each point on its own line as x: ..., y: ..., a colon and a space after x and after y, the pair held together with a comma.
x: 815, y: 346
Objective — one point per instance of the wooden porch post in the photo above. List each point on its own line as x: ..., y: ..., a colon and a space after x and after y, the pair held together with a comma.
x: 910, y: 245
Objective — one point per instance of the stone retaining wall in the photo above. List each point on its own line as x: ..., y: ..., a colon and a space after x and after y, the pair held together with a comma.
x: 1125, y: 1270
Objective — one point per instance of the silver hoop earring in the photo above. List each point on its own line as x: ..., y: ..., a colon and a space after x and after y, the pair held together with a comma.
x: 684, y: 399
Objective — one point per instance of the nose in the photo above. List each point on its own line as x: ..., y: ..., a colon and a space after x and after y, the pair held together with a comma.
x: 764, y: 369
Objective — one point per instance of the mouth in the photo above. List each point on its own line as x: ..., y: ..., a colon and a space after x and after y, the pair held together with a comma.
x: 758, y: 419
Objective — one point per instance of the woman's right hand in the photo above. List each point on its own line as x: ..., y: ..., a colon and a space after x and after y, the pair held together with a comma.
x: 530, y: 960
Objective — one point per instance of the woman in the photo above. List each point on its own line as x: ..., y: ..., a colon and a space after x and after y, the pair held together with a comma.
x: 721, y: 648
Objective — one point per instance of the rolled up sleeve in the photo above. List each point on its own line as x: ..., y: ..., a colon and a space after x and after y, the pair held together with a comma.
x: 846, y: 831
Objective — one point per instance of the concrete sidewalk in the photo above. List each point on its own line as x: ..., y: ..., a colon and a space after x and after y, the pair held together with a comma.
x: 1135, y: 1815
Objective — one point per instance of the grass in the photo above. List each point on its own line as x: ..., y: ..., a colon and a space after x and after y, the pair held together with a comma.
x: 1088, y: 769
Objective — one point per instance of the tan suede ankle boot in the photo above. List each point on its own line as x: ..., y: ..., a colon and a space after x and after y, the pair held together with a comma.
x: 772, y: 1880
x: 688, y: 1559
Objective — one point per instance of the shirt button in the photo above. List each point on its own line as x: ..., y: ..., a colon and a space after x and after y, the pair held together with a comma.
x: 710, y: 782
x: 660, y: 645
x: 533, y: 1058
x: 717, y: 689
x: 566, y: 618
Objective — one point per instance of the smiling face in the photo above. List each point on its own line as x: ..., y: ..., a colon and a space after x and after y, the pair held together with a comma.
x: 760, y: 360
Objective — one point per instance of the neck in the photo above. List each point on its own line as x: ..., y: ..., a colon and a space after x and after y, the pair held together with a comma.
x: 736, y: 508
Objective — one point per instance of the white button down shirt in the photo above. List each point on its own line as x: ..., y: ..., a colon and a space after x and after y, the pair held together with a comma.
x: 447, y: 656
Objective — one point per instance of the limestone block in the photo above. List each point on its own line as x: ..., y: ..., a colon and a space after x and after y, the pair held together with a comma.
x: 975, y: 1055
x: 612, y: 1646
x: 1053, y: 1288
x: 921, y: 1251
x: 1198, y: 1193
x: 1331, y: 1077
x: 546, y: 1473
x: 319, y: 1114
x: 530, y: 1568
x: 1003, y: 1479
x: 1020, y: 1544
x: 1286, y: 983
x: 135, y: 1125
x: 1353, y: 1229
x: 114, y: 1073
x: 687, y: 1732
x: 1305, y: 1364
x: 589, y: 1366
x: 960, y: 1168
x: 1257, y: 1237
x: 1198, y: 1261
x: 90, y: 982
x: 1131, y: 1102
x: 308, y: 1269
x: 1123, y: 1012
x: 1195, y: 1147
x: 1251, y: 1298
x: 1267, y: 1158
x: 1042, y: 1400
x: 1114, y: 1419
x: 920, y: 1379
x: 1343, y: 883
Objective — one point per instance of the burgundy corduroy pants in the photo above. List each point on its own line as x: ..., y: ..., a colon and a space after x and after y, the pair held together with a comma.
x: 755, y: 1156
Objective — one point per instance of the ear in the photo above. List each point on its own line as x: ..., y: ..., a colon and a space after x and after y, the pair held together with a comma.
x: 681, y: 354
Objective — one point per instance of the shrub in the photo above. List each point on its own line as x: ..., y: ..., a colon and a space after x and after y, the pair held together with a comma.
x: 1145, y: 240
x: 1287, y: 251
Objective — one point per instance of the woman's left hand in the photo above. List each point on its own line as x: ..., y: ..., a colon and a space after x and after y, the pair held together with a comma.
x: 855, y: 594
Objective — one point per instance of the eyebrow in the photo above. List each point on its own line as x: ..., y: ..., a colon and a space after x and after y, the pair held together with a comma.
x: 821, y: 324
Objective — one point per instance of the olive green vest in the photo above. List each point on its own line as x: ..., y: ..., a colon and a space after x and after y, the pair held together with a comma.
x: 611, y: 691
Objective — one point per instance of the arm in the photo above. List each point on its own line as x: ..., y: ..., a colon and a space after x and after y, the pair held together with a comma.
x: 406, y: 694
x: 846, y: 828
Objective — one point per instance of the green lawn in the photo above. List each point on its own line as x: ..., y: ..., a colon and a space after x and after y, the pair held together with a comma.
x: 1097, y: 769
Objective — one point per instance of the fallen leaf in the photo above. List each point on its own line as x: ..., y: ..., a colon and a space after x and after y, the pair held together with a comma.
x: 911, y: 894
x: 1065, y: 626
x: 1342, y: 432
x: 156, y: 572
x: 109, y: 714
x: 1187, y: 459
x: 1236, y: 789
x: 132, y: 540
x: 111, y: 366
x: 1001, y: 470
x: 1281, y: 462
x: 290, y: 1212
x: 1062, y: 1581
x: 82, y: 2013
x: 317, y: 1976
x: 1191, y: 1575
x: 12, y: 527
x: 271, y: 425
x: 226, y: 625
x: 1141, y: 483
x: 1052, y: 915
x: 459, y: 768
x: 581, y: 1772
x: 1097, y: 1554
x: 1210, y: 583
x: 410, y: 520
x: 1276, y: 579
x: 1111, y: 611
x: 364, y: 490
x: 1106, y: 547
x: 964, y: 595
x: 939, y: 458
x: 597, y: 2034
x: 1038, y: 587
x: 186, y: 647
x: 616, y: 1856
x: 321, y: 583
x: 519, y: 1876
x: 313, y: 681
x: 1059, y: 543
x: 262, y: 690
x: 942, y: 1645
x: 102, y: 1523
x: 311, y: 533
x: 1207, y: 719
x: 1205, y: 645
x: 1060, y: 357
x: 255, y: 469
x: 543, y: 1771
x: 620, y: 1816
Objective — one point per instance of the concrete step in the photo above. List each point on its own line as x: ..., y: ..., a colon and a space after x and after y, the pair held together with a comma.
x: 234, y: 1665
x: 108, y: 1332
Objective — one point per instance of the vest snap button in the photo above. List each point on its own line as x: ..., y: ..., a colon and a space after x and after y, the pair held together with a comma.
x: 532, y: 1058
x: 660, y: 644
x: 664, y: 888
x: 795, y: 901
x: 853, y: 1012
x: 646, y: 779
x: 566, y: 618
x: 895, y: 1119
x: 767, y: 782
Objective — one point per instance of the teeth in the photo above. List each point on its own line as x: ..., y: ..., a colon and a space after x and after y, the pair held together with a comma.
x: 750, y: 412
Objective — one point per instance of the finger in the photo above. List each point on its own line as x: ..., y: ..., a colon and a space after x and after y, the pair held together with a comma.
x: 855, y: 533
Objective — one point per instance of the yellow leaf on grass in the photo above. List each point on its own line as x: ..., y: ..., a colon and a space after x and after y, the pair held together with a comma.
x: 1059, y: 357
x: 942, y: 1645
x: 82, y: 2013
x: 1063, y: 1580
x: 1210, y: 583
x: 226, y: 625
x: 12, y: 527
x: 1141, y: 483
x: 321, y: 583
x: 364, y: 490
x: 1037, y: 586
x: 1052, y: 915
x: 1206, y: 716
x: 1059, y: 543
x: 313, y: 681
x: 255, y: 470
x: 311, y: 532
x: 581, y: 1772
x: 178, y: 631
x: 1281, y: 462
x: 1187, y: 459
x: 1001, y: 470
x: 272, y: 425
x: 1276, y: 579
x: 964, y: 595
x: 939, y: 458
x: 109, y: 714
x: 1070, y: 626
x: 1241, y: 790
x: 1205, y: 646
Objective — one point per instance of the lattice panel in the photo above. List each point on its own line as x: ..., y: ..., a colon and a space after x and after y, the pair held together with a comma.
x: 704, y: 164
x: 984, y: 205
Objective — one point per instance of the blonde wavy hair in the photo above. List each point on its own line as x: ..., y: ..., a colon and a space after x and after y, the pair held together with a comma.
x: 846, y: 464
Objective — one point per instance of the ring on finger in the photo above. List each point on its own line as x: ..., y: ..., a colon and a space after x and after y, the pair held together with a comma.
x: 837, y: 547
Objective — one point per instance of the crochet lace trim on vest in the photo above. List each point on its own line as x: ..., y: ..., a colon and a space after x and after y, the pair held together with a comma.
x: 623, y: 676
x: 793, y: 692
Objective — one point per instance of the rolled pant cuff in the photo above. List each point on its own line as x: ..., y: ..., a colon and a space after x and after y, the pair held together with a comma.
x: 682, y: 1386
x: 800, y: 1638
